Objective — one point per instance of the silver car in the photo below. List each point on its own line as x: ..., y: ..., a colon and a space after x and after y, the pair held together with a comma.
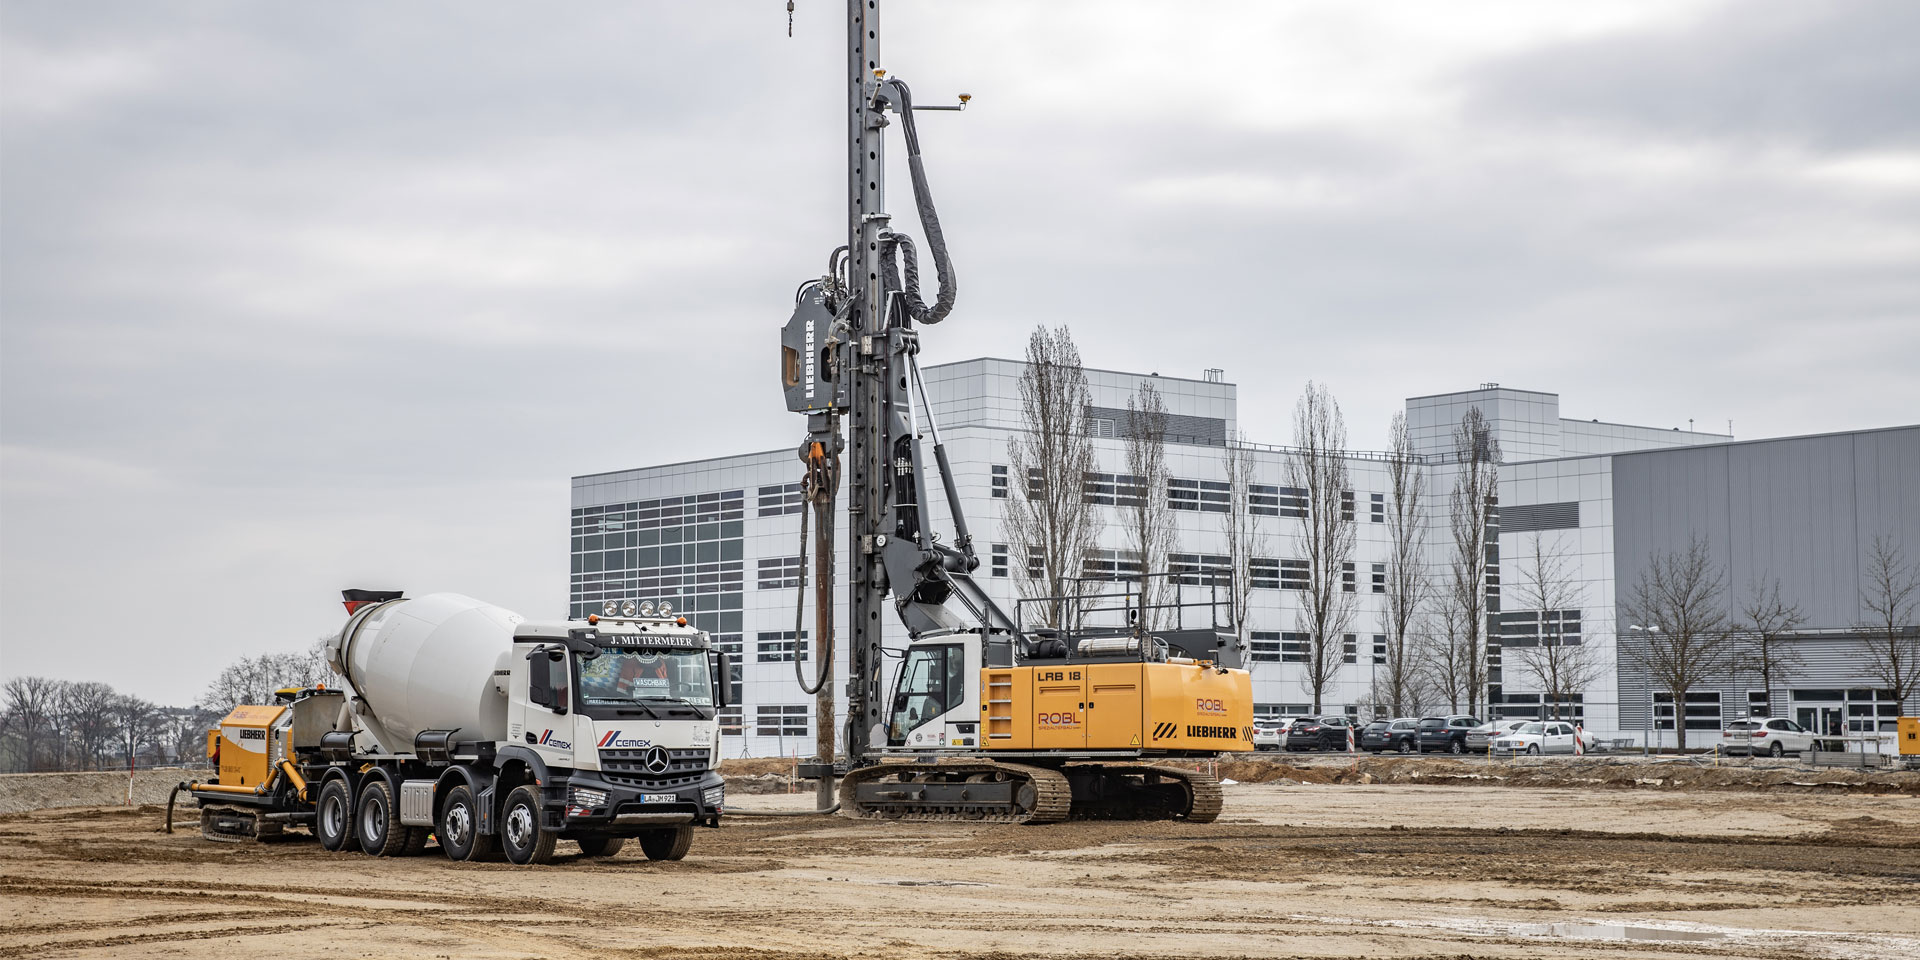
x: 1479, y: 737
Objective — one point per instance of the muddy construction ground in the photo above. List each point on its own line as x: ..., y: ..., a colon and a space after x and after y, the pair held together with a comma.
x: 1401, y: 867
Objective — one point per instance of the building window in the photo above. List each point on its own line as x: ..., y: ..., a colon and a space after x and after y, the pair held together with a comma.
x: 1269, y: 501
x: 779, y: 572
x: 1206, y: 496
x: 1379, y: 648
x: 779, y: 647
x: 1294, y: 647
x: 1377, y: 506
x: 780, y: 499
x: 1349, y: 648
x: 1293, y: 575
x: 1266, y: 646
x: 1100, y: 427
x: 1036, y: 564
x: 1347, y: 578
x: 1758, y: 704
x: 1263, y: 573
x: 1110, y: 565
x: 999, y: 481
x: 1702, y: 710
x: 1525, y: 628
x: 1199, y: 569
x: 685, y: 550
x: 1114, y: 489
x: 781, y: 720
x: 999, y: 559
x: 1379, y: 578
x: 1036, y: 484
x: 1346, y: 505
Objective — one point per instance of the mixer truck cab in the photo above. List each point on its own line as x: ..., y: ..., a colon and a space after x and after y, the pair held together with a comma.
x: 459, y: 721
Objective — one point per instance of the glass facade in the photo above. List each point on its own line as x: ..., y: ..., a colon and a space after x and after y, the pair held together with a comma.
x: 685, y: 550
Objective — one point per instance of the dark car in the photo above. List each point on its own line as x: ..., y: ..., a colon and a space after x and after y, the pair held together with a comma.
x: 1319, y: 733
x: 1400, y: 735
x: 1446, y: 734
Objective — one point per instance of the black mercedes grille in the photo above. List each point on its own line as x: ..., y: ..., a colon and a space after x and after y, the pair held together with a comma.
x: 629, y: 767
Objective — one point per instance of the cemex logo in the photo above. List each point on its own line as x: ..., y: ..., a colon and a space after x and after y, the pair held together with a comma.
x: 547, y: 740
x: 613, y: 740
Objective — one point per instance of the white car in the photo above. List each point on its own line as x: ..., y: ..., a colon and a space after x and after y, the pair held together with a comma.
x: 1774, y: 736
x: 1537, y: 737
x: 1266, y: 733
x: 1286, y: 726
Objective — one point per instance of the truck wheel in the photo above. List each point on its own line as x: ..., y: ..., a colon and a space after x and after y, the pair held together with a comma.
x: 333, y: 817
x: 602, y: 846
x: 378, y: 825
x: 417, y: 838
x: 460, y: 835
x: 521, y: 835
x: 670, y: 843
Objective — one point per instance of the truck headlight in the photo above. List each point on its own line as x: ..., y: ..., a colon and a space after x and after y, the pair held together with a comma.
x: 629, y: 608
x: 714, y: 796
x: 610, y: 609
x: 588, y: 798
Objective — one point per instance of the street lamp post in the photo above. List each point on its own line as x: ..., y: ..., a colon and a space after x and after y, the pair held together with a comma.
x: 1646, y: 737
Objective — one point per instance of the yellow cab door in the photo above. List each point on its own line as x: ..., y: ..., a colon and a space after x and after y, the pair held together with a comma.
x: 1060, y: 707
x: 1115, y: 706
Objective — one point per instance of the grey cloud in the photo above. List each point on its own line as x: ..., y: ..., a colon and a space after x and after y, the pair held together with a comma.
x: 1833, y: 76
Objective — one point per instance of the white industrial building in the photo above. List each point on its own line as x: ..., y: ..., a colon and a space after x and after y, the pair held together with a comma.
x: 720, y: 537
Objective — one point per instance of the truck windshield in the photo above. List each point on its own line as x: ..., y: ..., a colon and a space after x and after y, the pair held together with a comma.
x: 624, y: 676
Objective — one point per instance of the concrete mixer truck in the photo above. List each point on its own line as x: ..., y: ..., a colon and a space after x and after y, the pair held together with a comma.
x: 460, y: 721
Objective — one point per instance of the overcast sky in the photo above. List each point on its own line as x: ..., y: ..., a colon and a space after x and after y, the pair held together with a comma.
x: 304, y: 296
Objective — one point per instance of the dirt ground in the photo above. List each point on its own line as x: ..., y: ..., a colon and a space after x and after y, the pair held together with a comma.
x: 1292, y: 869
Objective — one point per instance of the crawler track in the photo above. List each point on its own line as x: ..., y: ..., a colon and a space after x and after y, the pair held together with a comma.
x: 1023, y: 793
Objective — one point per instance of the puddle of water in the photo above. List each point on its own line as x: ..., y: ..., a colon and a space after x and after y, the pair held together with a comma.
x: 1610, y: 931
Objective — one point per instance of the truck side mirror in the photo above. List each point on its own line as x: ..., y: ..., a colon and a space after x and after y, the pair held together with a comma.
x: 557, y: 679
x: 722, y: 668
x: 539, y: 689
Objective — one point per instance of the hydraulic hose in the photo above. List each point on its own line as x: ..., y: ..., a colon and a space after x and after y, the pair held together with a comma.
x: 906, y: 276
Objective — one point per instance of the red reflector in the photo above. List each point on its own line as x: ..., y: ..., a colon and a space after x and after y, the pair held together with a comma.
x: 352, y: 605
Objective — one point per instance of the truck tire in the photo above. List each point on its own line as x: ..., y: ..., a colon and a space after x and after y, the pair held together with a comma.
x: 333, y: 817
x: 460, y: 836
x: 521, y: 835
x: 669, y: 843
x: 602, y: 846
x: 378, y: 824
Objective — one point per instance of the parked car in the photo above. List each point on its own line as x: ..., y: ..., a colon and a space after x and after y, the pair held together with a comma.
x: 1535, y: 738
x: 1401, y: 735
x: 1446, y: 734
x: 1482, y: 736
x: 1774, y: 736
x: 1319, y: 733
x: 1285, y: 727
x: 1266, y: 733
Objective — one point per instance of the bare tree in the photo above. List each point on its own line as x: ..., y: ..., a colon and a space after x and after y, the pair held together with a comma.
x: 1441, y: 651
x: 30, y: 704
x: 1680, y: 600
x: 1890, y: 595
x: 1560, y: 665
x: 1764, y: 642
x: 1407, y: 582
x: 1318, y: 466
x: 1245, y: 538
x: 1049, y: 522
x: 1470, y: 507
x: 1149, y: 521
x: 135, y: 721
x: 254, y: 679
x: 86, y: 710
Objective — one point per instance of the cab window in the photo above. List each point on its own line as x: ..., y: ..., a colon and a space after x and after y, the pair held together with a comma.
x: 932, y: 682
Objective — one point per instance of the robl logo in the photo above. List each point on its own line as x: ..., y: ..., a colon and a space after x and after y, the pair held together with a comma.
x: 547, y: 740
x: 613, y: 740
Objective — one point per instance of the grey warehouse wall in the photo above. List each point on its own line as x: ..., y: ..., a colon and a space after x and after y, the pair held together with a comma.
x: 1803, y: 509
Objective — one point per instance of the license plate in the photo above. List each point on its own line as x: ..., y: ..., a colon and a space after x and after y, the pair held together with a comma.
x: 659, y: 798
